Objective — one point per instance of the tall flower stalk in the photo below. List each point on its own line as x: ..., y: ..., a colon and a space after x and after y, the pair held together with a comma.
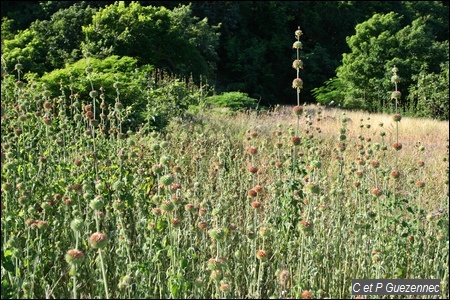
x: 297, y: 84
x: 395, y: 79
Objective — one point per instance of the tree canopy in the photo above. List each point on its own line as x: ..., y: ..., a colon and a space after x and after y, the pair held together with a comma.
x: 244, y: 46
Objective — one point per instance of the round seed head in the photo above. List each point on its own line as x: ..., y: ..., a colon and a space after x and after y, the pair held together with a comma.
x: 397, y: 117
x: 307, y: 294
x: 253, y: 169
x: 395, y: 174
x: 167, y: 180
x: 202, y: 225
x: 98, y: 240
x: 252, y: 193
x: 297, y: 83
x: 256, y: 204
x: 297, y: 45
x: 298, y: 110
x: 262, y: 255
x: 216, y: 233
x: 296, y: 140
x: 376, y: 192
x: 93, y: 94
x: 252, y: 150
x: 420, y: 184
x: 74, y: 256
x: 297, y: 64
x: 77, y: 225
x: 397, y: 146
x: 167, y: 206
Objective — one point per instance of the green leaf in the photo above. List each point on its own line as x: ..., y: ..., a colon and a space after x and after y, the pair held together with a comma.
x: 7, y: 262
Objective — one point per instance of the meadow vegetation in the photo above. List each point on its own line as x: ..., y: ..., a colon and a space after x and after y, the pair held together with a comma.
x: 292, y: 202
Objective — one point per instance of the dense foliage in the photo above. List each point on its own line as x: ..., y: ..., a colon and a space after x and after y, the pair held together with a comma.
x: 242, y: 46
x: 211, y: 205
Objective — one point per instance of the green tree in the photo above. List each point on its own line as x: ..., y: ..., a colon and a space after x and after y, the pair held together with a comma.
x: 379, y: 44
x: 431, y: 94
x: 49, y: 44
x: 173, y: 40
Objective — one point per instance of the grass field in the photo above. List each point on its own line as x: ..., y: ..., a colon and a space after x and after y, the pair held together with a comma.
x: 225, y: 205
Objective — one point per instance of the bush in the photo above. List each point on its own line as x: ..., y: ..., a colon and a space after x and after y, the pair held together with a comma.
x: 233, y: 100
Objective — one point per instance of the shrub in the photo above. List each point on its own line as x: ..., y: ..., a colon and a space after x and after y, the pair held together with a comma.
x: 233, y: 100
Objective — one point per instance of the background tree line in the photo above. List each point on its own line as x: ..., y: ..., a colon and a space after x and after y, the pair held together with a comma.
x: 349, y: 47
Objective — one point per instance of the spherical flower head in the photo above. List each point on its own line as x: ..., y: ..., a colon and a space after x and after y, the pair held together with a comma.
x: 252, y: 150
x: 74, y: 256
x: 394, y: 70
x: 189, y: 207
x: 297, y: 45
x: 420, y: 184
x: 18, y: 67
x: 217, y: 233
x: 167, y: 180
x: 376, y: 192
x: 297, y: 83
x: 158, y: 168
x: 307, y: 294
x: 397, y: 117
x: 202, y: 225
x: 396, y: 95
x: 77, y: 225
x: 167, y: 206
x: 118, y: 106
x: 315, y: 164
x: 258, y: 188
x: 47, y: 120
x: 256, y: 204
x: 214, y: 264
x: 395, y: 174
x: 19, y: 84
x: 97, y: 203
x: 397, y: 146
x: 98, y: 240
x: 262, y: 255
x: 297, y: 64
x: 252, y: 193
x: 253, y: 169
x: 164, y: 144
x: 395, y: 78
x: 93, y: 94
x: 375, y: 164
x: 94, y: 122
x: 46, y: 93
x: 298, y: 33
x: 118, y: 204
x: 164, y: 160
x: 176, y: 222
x: 296, y: 140
x: 42, y: 224
x: 298, y: 110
